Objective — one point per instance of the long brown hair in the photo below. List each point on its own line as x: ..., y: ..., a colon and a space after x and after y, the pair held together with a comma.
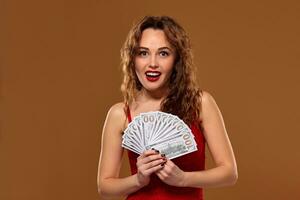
x: 184, y: 95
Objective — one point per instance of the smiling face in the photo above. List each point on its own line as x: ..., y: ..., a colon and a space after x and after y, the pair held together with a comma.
x: 154, y: 60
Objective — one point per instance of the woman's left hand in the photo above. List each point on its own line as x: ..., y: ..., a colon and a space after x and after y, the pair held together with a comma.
x: 171, y: 174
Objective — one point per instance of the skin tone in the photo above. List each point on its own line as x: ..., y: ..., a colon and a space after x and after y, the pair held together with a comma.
x: 156, y: 54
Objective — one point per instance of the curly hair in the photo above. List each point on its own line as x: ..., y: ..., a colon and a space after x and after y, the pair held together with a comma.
x: 184, y: 97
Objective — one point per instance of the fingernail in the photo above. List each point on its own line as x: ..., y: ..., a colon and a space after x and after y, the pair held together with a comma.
x: 155, y: 150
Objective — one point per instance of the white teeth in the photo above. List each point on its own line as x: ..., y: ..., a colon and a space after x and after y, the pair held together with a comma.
x: 152, y: 74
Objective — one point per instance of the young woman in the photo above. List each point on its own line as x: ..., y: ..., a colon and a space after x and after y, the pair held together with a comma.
x: 159, y: 76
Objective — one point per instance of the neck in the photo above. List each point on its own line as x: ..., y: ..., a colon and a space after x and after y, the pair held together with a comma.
x: 158, y: 95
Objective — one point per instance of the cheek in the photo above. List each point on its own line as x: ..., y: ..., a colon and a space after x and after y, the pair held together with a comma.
x: 169, y: 66
x: 139, y: 64
x: 138, y: 73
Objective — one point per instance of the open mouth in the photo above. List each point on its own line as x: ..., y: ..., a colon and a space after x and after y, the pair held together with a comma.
x: 152, y: 75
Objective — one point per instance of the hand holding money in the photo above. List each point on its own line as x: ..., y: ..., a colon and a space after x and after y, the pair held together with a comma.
x: 171, y: 174
x: 162, y: 131
x: 148, y: 162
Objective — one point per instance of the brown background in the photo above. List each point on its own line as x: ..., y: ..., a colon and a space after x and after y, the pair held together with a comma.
x: 60, y: 73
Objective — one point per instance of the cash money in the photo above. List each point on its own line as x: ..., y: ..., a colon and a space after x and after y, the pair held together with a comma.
x: 159, y: 130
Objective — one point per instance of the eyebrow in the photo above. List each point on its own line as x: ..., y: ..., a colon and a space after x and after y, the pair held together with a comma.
x: 161, y: 48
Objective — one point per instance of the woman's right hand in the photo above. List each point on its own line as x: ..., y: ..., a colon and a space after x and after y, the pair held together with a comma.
x: 147, y: 163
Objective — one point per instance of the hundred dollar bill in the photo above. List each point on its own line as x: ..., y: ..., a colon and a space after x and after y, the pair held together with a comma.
x: 162, y: 131
x: 175, y: 147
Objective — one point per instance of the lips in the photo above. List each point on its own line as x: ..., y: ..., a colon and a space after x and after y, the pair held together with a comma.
x: 152, y: 75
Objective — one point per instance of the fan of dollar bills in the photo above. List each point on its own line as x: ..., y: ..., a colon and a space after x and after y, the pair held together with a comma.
x: 161, y: 131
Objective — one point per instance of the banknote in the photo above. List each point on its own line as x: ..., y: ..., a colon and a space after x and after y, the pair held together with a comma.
x: 159, y: 130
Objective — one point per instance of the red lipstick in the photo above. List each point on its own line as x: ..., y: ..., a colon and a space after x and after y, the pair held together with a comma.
x: 152, y: 75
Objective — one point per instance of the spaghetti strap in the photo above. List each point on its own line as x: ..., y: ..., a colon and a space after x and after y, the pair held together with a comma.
x: 128, y: 114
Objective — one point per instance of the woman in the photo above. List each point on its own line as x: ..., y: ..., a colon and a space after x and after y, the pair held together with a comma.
x: 159, y: 76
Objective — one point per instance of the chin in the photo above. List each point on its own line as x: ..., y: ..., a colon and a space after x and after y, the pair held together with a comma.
x: 154, y: 88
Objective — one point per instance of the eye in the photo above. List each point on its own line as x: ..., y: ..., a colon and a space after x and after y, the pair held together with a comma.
x: 143, y: 53
x: 164, y: 53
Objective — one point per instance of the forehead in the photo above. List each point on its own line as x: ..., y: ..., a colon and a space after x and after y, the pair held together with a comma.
x: 154, y: 38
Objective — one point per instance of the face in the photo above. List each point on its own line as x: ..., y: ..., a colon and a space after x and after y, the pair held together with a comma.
x: 154, y: 60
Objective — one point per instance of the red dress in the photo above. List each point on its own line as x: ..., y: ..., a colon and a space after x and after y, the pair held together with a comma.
x: 158, y: 190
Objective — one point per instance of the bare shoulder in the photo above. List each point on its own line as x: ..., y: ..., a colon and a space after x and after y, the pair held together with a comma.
x: 117, y: 110
x: 208, y: 104
x: 116, y: 115
x: 207, y: 99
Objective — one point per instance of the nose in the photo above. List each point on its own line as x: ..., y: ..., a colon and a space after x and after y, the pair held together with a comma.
x: 153, y: 62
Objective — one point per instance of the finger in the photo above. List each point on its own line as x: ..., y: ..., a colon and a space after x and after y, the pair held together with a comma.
x: 155, y: 163
x: 149, y: 152
x: 170, y: 167
x: 167, y: 168
x: 163, y: 166
x: 154, y: 157
x: 154, y: 169
x: 146, y: 153
x: 161, y: 174
x: 170, y: 163
x: 150, y: 158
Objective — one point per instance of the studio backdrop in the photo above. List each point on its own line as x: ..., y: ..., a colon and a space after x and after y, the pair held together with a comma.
x: 60, y: 73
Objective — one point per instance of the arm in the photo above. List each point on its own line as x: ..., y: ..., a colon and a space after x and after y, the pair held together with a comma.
x: 109, y: 183
x: 111, y: 157
x: 225, y: 171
